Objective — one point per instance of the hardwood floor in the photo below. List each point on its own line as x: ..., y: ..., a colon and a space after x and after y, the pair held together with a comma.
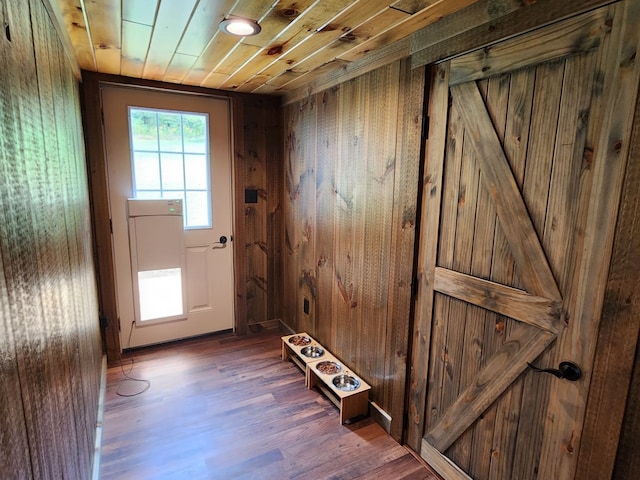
x: 225, y: 407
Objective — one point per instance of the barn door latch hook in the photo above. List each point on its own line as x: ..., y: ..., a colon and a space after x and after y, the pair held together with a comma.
x: 567, y: 370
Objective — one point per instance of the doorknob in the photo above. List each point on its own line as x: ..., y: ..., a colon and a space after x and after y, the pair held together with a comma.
x: 567, y: 370
x: 221, y: 243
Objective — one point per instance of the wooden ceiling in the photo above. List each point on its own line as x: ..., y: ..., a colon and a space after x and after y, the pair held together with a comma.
x: 179, y: 41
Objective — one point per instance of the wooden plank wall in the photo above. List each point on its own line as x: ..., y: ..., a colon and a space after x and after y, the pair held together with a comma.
x: 257, y: 127
x: 352, y: 156
x: 50, y: 350
x: 257, y: 145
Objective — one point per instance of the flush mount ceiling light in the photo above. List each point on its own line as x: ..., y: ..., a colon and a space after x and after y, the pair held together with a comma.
x: 239, y: 26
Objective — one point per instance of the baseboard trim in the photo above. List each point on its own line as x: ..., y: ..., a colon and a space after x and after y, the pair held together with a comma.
x: 99, y: 420
x: 266, y: 325
x: 285, y: 328
x: 380, y: 416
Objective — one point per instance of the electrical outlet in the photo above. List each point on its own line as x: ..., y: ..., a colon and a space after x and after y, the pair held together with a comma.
x: 305, y: 306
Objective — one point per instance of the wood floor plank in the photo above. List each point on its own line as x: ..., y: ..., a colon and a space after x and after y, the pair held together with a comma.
x: 227, y: 407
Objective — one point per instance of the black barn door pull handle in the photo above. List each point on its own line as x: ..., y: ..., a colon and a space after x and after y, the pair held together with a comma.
x: 567, y: 370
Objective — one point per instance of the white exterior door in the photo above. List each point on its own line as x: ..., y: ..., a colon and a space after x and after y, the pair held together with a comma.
x: 169, y: 163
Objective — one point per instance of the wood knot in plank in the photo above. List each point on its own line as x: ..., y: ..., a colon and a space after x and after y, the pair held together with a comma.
x: 328, y: 28
x: 307, y: 232
x: 348, y: 37
x: 275, y: 50
x: 289, y: 13
x: 587, y: 158
x: 568, y: 446
x: 309, y: 280
x: 617, y: 146
x: 346, y: 292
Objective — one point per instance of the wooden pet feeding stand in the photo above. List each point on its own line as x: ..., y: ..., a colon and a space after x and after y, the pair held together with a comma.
x: 322, y: 369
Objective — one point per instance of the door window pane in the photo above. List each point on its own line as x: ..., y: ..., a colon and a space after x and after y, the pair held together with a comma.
x: 199, y: 211
x: 144, y: 130
x: 170, y: 131
x: 195, y: 133
x: 172, y: 171
x: 196, y: 172
x: 146, y: 170
x: 170, y: 157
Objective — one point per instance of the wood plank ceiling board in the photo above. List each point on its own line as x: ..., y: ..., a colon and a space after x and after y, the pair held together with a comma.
x: 203, y: 26
x: 136, y: 38
x: 343, y: 44
x: 315, y: 17
x: 429, y: 15
x: 77, y: 27
x: 179, y: 40
x: 323, y: 35
x: 244, y: 49
x: 275, y: 28
x: 172, y: 18
x: 138, y: 17
x: 203, y: 72
x: 389, y: 33
x: 105, y: 20
x: 140, y: 11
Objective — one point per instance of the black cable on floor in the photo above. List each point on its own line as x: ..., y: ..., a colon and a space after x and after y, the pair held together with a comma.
x: 127, y: 377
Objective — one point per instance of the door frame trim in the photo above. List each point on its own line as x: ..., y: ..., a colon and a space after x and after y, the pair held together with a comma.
x: 100, y: 214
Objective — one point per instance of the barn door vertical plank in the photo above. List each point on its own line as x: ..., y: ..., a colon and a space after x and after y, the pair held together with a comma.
x: 516, y: 139
x: 570, y: 174
x: 544, y: 122
x: 327, y: 152
x: 567, y: 179
x: 481, y: 339
x: 429, y: 223
x: 585, y: 299
x: 411, y: 104
x: 459, y: 311
x: 445, y: 243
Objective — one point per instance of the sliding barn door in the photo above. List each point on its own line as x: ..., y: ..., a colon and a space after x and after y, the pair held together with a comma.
x: 526, y: 153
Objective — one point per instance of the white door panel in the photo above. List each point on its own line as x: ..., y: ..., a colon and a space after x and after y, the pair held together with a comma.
x: 209, y: 271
